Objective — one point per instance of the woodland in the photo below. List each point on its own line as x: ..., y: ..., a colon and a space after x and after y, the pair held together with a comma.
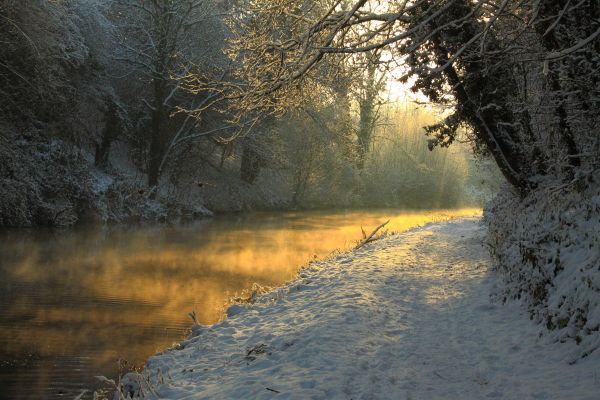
x: 124, y: 110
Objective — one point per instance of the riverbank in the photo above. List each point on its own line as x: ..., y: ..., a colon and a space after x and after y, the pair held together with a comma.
x: 53, y: 183
x: 408, y: 316
x: 547, y: 249
x: 69, y: 311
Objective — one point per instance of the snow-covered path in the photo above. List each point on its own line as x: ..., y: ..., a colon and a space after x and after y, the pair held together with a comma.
x: 407, y: 317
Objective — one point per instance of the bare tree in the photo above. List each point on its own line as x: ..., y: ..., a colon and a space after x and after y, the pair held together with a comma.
x: 462, y: 53
x: 368, y: 94
x: 166, y: 40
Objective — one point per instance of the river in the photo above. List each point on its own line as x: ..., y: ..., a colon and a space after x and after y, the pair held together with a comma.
x: 73, y: 303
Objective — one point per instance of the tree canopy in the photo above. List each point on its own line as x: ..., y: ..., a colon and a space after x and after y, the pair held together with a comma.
x: 494, y: 62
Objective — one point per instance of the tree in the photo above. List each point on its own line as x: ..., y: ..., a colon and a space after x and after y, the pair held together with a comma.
x: 43, y: 52
x: 367, y: 92
x: 462, y: 54
x: 113, y: 127
x: 165, y: 40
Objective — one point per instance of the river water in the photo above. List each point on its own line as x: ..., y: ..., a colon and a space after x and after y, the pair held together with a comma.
x: 73, y: 303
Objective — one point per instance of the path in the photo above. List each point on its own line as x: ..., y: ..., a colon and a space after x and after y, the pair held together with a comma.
x: 407, y: 317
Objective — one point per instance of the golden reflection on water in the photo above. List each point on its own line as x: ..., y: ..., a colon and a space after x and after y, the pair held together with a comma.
x: 74, y: 302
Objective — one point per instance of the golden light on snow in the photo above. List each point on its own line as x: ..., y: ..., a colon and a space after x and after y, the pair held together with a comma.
x: 142, y: 283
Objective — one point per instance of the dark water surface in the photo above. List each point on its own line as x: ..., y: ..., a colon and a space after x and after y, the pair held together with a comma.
x: 74, y: 303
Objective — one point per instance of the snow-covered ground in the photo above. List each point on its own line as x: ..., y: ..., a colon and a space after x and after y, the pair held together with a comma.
x: 406, y: 317
x: 546, y: 248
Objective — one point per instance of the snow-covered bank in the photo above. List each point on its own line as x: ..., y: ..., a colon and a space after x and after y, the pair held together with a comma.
x: 547, y: 250
x: 408, y: 316
x: 49, y: 182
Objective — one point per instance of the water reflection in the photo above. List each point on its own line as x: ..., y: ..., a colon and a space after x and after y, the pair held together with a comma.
x: 73, y: 303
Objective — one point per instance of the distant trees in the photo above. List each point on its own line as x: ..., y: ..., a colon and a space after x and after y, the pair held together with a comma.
x: 402, y: 170
x: 492, y: 62
x: 318, y: 162
x: 369, y: 100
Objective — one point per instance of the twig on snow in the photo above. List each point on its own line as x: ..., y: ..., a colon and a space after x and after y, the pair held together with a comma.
x: 370, y: 238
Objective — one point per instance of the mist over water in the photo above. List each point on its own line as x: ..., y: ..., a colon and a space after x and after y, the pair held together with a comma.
x: 75, y: 302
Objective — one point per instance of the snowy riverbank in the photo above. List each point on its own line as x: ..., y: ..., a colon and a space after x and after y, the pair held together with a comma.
x: 406, y: 317
x: 547, y: 250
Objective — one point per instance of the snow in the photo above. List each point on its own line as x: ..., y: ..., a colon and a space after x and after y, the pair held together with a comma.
x: 102, y: 181
x: 547, y: 249
x: 406, y: 317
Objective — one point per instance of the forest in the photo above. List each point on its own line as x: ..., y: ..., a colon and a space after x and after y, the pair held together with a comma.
x: 117, y: 111
x: 124, y: 111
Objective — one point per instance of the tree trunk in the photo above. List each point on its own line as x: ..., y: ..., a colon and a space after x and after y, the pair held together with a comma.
x: 112, y: 130
x: 548, y: 12
x: 366, y: 123
x: 159, y: 117
x: 250, y: 167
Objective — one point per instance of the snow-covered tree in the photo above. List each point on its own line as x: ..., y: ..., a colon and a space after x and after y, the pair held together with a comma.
x: 475, y: 57
x: 164, y: 41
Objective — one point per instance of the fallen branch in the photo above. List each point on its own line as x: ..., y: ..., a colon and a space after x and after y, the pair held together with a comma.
x: 371, y: 237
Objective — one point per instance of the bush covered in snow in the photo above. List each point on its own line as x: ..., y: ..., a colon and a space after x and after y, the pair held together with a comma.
x: 44, y: 182
x: 547, y: 250
x: 50, y: 182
